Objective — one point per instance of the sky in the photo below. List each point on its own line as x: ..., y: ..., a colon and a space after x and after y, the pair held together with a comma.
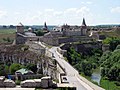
x: 59, y: 12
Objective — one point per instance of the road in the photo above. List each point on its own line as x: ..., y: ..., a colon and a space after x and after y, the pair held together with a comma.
x: 72, y: 74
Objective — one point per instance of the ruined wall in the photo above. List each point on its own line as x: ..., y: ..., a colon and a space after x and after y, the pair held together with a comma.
x: 19, y: 54
x: 83, y: 48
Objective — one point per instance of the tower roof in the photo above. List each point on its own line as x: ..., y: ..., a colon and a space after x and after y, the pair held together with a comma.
x: 20, y: 24
x: 83, y: 22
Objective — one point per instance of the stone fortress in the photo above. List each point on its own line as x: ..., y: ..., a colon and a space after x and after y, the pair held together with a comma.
x: 55, y: 37
x: 22, y: 36
x: 67, y: 34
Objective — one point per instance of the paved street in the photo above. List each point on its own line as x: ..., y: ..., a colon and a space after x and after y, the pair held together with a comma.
x: 71, y: 72
x: 72, y: 75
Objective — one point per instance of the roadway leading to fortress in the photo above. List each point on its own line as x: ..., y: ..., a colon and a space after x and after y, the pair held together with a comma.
x: 72, y: 74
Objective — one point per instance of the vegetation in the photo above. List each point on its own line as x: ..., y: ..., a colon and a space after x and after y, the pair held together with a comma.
x: 31, y: 67
x: 109, y: 85
x: 84, y: 64
x: 14, y: 67
x: 7, y: 35
x: 39, y: 33
x: 109, y: 63
x: 114, y: 33
x: 113, y: 42
x: 17, y: 82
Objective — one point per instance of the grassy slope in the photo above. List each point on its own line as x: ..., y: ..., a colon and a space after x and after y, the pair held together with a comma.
x: 114, y: 33
x: 5, y: 33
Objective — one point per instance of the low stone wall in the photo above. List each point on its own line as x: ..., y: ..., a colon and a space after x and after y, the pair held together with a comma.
x: 6, y: 82
x: 44, y: 82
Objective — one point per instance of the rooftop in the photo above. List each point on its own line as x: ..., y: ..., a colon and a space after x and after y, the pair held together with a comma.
x: 23, y: 71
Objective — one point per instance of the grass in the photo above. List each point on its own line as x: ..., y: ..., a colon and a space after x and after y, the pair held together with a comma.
x: 111, y: 34
x: 7, y: 33
x: 109, y: 85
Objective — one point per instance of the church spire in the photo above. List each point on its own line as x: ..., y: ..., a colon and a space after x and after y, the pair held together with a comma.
x: 45, y: 26
x: 83, y: 22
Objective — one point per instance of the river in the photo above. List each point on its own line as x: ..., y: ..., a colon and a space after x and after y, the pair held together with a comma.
x: 96, y: 76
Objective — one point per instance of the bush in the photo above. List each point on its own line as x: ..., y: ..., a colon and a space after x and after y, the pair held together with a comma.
x: 17, y: 82
x: 14, y: 67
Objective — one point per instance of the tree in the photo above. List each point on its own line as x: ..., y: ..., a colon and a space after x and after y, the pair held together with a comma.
x: 111, y: 65
x: 14, y: 67
x: 86, y: 68
x: 107, y: 41
x: 118, y: 47
x: 39, y: 33
x: 114, y: 43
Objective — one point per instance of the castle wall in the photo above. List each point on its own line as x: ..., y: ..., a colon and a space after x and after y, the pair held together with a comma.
x: 74, y: 39
x: 20, y: 39
x: 72, y: 33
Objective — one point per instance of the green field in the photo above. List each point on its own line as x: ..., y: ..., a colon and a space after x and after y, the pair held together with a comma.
x: 6, y: 34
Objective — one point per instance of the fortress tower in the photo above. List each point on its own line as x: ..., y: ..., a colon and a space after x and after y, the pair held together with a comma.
x: 20, y: 28
x: 83, y: 28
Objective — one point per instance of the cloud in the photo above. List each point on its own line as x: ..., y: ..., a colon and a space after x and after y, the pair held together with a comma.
x: 115, y: 10
x: 58, y: 13
x: 88, y: 2
x: 49, y: 10
x: 83, y: 10
x: 70, y: 16
x: 51, y: 16
x: 2, y: 14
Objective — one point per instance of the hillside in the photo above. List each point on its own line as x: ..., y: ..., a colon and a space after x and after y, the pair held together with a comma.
x: 113, y: 33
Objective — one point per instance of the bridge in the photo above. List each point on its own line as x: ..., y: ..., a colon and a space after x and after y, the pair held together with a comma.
x: 72, y: 74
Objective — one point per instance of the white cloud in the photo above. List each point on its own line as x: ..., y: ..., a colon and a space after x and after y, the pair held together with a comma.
x: 49, y: 10
x: 83, y: 10
x: 58, y: 13
x: 2, y: 14
x: 51, y: 16
x: 17, y: 13
x: 88, y: 2
x: 115, y: 10
x: 70, y: 16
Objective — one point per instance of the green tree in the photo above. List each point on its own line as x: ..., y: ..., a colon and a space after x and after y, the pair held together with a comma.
x: 107, y: 40
x: 86, y: 68
x: 40, y: 33
x: 14, y: 67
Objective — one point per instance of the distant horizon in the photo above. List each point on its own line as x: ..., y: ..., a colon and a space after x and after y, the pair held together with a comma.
x: 55, y: 25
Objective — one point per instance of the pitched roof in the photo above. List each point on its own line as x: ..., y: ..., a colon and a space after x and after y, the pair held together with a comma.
x: 23, y: 71
x: 83, y: 22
